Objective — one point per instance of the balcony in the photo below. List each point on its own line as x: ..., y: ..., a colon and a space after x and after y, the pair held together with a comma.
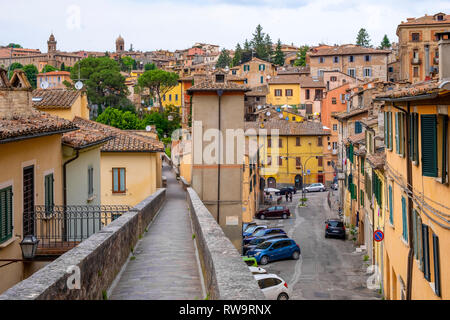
x: 416, y: 61
x: 61, y: 228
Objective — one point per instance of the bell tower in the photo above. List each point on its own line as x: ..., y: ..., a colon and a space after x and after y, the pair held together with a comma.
x: 51, y: 43
x: 120, y: 44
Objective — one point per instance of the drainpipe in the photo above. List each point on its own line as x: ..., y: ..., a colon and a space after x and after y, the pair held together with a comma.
x: 427, y: 60
x: 65, y: 191
x: 219, y: 93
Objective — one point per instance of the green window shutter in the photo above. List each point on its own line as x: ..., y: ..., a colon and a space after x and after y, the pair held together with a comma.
x: 444, y: 170
x: 414, y: 221
x: 411, y: 136
x: 391, y: 213
x: 397, y: 140
x: 362, y: 166
x: 437, y: 275
x: 429, y: 145
x: 386, y: 130
x: 426, y: 252
x: 405, y: 220
x: 49, y: 194
x: 6, y: 212
x: 351, y: 153
x: 390, y: 130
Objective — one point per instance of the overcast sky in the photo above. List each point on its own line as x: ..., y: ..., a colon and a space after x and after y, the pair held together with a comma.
x: 178, y: 24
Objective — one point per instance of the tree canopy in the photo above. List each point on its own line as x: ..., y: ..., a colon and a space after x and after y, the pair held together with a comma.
x: 14, y: 45
x: 127, y: 64
x: 124, y: 120
x: 158, y: 82
x: 385, y: 43
x: 237, y: 56
x: 31, y: 72
x: 224, y: 59
x: 279, y: 54
x: 301, y: 56
x: 48, y: 68
x: 150, y: 66
x: 363, y: 38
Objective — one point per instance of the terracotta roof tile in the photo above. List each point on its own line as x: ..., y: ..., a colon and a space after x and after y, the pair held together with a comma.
x: 287, y: 128
x: 345, y: 50
x: 427, y: 19
x: 310, y: 82
x: 419, y: 88
x: 377, y: 160
x: 209, y: 85
x: 357, y: 138
x: 285, y: 79
x: 54, y: 98
x: 85, y: 137
x: 124, y: 141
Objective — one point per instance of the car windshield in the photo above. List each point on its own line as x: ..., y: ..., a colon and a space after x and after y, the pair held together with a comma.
x: 335, y: 224
x: 251, y: 229
x: 255, y: 241
x: 264, y: 245
x: 259, y: 233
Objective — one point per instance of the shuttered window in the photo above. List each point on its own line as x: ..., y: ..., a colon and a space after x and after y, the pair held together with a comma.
x: 388, y: 130
x: 49, y: 194
x: 437, y: 274
x: 6, y: 214
x: 426, y: 252
x: 297, y: 141
x: 413, y: 139
x: 358, y: 127
x: 391, y: 211
x: 362, y: 166
x: 443, y: 121
x: 429, y: 145
x: 91, y: 182
x: 361, y: 196
x: 404, y: 220
x: 377, y: 188
x: 119, y: 184
x: 297, y: 162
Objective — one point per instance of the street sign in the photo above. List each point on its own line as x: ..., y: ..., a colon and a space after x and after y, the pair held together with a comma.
x: 308, y: 172
x: 378, y: 236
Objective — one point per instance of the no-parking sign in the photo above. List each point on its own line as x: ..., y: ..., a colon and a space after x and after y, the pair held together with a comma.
x: 378, y: 236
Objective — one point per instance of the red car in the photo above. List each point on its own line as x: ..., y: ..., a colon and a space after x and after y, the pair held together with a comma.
x: 273, y: 212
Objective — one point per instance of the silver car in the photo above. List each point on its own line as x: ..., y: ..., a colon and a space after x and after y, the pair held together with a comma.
x: 315, y: 187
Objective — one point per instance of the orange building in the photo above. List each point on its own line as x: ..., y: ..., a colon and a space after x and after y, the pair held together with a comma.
x: 54, y: 79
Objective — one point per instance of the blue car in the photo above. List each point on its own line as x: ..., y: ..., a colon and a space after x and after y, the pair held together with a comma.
x: 252, y: 229
x: 263, y: 233
x: 273, y: 250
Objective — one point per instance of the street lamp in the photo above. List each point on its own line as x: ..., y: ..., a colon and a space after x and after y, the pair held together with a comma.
x: 29, y: 245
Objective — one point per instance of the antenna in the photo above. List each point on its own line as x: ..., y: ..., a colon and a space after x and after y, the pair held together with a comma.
x: 79, y: 84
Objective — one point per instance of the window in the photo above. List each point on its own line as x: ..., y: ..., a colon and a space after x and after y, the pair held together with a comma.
x: 318, y: 95
x: 245, y: 81
x: 333, y: 79
x: 170, y: 97
x: 417, y: 229
x: 414, y: 137
x: 361, y: 197
x: 307, y: 94
x: 297, y: 142
x: 6, y: 214
x: 119, y: 180
x: 351, y: 72
x: 262, y: 79
x: 437, y: 274
x: 335, y: 127
x: 358, y: 127
x: 443, y: 149
x: 388, y: 130
x: 297, y: 162
x: 335, y: 146
x: 367, y: 58
x: 320, y: 73
x: 233, y: 72
x: 362, y: 166
x: 288, y: 92
x: 176, y: 97
x: 280, y: 161
x: 391, y: 205
x: 280, y: 143
x: 336, y: 59
x: 278, y: 92
x: 415, y: 36
x: 164, y: 97
x: 399, y: 133
x: 429, y: 145
x: 269, y: 143
x: 269, y: 160
x: 262, y: 67
x: 49, y: 194
x: 333, y: 100
x: 415, y: 72
x: 390, y: 69
x: 404, y: 220
x: 367, y: 72
x: 90, y: 182
x: 319, y: 141
x: 320, y: 161
x: 321, y: 59
x: 351, y: 59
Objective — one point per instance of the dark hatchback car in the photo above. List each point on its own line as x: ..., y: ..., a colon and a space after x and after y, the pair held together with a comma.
x: 263, y: 233
x: 335, y: 228
x: 283, y: 191
x: 273, y: 212
x: 255, y: 242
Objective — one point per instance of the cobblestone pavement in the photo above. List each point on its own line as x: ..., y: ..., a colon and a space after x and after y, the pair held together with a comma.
x: 165, y: 266
x: 329, y: 269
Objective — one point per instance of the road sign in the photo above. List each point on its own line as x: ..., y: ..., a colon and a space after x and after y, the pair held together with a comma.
x: 378, y: 236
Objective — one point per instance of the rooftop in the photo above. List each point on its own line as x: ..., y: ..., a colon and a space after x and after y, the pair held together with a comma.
x: 427, y: 19
x: 287, y: 128
x: 412, y: 90
x: 85, y: 137
x: 345, y: 50
x: 54, y: 98
x: 210, y: 85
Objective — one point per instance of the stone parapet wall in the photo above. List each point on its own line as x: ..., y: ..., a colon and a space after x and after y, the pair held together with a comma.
x: 226, y: 276
x: 99, y: 259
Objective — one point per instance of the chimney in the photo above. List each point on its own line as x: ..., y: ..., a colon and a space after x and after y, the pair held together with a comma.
x: 444, y: 55
x: 15, y: 95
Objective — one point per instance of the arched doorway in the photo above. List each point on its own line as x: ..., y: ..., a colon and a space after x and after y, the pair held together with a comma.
x: 298, y: 181
x: 271, y: 183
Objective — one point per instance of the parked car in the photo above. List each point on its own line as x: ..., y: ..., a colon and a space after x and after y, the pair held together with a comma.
x: 252, y: 230
x: 315, y: 187
x: 255, y: 242
x: 335, y: 228
x: 334, y: 186
x: 272, y: 212
x: 247, y: 225
x: 283, y: 191
x: 273, y: 250
x: 250, y: 261
x: 273, y: 287
x: 262, y: 233
x: 257, y: 270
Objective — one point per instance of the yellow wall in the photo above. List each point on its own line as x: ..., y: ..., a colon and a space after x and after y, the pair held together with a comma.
x: 293, y: 117
x: 141, y: 176
x: 45, y: 154
x: 78, y: 109
x: 250, y: 199
x: 282, y: 100
x: 174, y: 93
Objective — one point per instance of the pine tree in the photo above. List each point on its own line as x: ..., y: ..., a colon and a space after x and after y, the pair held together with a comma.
x: 269, y: 48
x: 224, y: 59
x: 258, y: 43
x: 237, y: 59
x: 247, y: 46
x: 385, y: 43
x: 279, y: 54
x: 301, y: 56
x: 363, y: 39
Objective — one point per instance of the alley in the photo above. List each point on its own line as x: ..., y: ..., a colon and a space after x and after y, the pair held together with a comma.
x: 328, y: 268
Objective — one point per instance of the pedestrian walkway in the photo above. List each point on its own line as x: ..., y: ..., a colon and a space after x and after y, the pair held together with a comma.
x: 165, y: 266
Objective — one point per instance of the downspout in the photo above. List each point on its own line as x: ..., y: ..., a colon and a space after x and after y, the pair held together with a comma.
x: 219, y: 93
x: 65, y: 191
x: 410, y: 205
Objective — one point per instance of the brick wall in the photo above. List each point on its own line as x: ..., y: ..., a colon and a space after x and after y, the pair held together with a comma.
x: 14, y: 101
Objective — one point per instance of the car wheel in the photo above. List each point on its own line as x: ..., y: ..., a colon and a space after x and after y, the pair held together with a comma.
x: 323, y: 190
x: 262, y: 217
x: 296, y: 255
x: 264, y: 260
x: 326, y: 236
x: 283, y: 296
x: 284, y: 216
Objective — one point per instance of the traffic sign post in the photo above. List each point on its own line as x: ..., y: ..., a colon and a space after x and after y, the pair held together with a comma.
x: 378, y: 236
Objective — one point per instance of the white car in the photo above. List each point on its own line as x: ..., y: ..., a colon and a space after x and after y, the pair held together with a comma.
x: 315, y: 187
x: 273, y: 287
x: 257, y: 270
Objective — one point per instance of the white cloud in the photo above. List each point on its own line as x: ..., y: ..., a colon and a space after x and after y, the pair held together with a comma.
x: 150, y: 25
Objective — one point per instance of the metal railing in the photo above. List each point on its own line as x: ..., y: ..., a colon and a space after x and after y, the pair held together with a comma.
x: 66, y: 226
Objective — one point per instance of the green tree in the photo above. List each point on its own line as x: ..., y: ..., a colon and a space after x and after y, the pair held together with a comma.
x: 363, y: 39
x: 385, y: 43
x: 14, y: 45
x: 224, y: 59
x: 237, y: 59
x: 121, y: 119
x: 13, y: 67
x: 127, y: 63
x: 31, y: 71
x: 258, y: 44
x: 301, y: 56
x: 163, y: 126
x: 158, y: 82
x: 247, y: 46
x: 279, y: 54
x: 48, y: 68
x: 104, y: 84
x: 269, y: 48
x: 150, y: 66
x: 63, y: 67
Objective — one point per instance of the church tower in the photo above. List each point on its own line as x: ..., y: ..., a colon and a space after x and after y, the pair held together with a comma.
x: 51, y: 43
x: 120, y: 45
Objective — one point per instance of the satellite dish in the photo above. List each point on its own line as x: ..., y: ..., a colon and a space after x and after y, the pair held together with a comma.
x: 280, y: 116
x: 148, y: 128
x: 44, y: 85
x: 268, y: 113
x: 269, y: 77
x: 259, y: 107
x: 79, y: 85
x: 278, y: 110
x: 149, y: 109
x: 287, y: 118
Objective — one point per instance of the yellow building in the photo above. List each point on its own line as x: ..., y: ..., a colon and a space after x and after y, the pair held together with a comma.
x: 130, y: 165
x: 417, y: 232
x: 251, y: 187
x: 173, y: 97
x: 284, y: 89
x: 63, y: 103
x: 31, y: 158
x: 297, y: 149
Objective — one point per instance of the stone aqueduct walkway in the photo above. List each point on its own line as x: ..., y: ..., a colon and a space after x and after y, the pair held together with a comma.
x: 165, y: 265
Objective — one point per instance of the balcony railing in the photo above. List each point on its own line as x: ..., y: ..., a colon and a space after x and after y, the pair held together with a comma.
x: 60, y: 228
